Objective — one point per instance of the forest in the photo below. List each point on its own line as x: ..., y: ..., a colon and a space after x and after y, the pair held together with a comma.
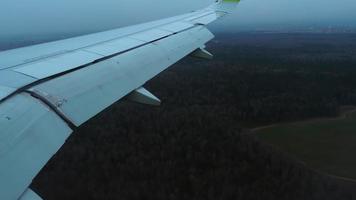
x: 197, y: 144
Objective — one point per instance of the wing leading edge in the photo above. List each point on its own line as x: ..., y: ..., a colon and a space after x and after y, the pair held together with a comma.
x: 48, y: 90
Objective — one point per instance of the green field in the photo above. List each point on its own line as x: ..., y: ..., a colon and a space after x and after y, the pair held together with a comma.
x: 328, y: 145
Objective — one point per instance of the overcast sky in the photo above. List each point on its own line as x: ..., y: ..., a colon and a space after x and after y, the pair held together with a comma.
x: 25, y: 18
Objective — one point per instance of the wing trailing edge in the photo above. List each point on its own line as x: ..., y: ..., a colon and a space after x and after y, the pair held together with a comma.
x: 30, y: 195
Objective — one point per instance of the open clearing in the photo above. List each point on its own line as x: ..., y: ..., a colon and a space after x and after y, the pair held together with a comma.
x: 328, y: 145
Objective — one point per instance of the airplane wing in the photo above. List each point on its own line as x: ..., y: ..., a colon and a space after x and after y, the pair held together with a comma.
x: 48, y: 90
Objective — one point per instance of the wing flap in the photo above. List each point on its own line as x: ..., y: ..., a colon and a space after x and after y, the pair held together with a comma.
x: 84, y: 93
x: 177, y: 26
x: 57, y: 64
x: 200, y: 15
x: 207, y: 19
x: 115, y: 46
x: 10, y: 81
x: 30, y: 134
x: 151, y: 35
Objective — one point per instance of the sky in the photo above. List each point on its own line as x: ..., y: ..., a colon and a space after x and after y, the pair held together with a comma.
x: 23, y: 19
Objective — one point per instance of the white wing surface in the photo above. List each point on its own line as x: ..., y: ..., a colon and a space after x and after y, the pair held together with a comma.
x: 48, y: 90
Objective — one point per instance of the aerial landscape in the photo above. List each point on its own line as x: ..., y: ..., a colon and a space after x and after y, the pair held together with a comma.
x: 272, y: 115
x: 178, y: 100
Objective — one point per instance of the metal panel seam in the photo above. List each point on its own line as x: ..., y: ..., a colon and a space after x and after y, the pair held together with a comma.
x: 59, y: 113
